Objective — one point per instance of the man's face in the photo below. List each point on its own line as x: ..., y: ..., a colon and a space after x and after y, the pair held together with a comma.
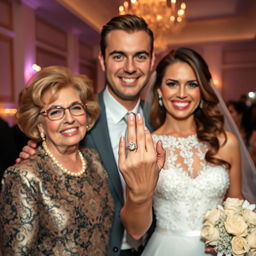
x: 127, y: 63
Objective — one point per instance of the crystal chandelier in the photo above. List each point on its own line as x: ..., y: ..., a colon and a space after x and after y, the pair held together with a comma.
x: 163, y: 17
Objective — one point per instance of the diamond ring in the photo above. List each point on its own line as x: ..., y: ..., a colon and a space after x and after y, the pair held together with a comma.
x: 132, y: 146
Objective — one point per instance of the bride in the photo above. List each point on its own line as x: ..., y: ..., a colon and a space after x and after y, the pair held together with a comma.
x: 202, y: 165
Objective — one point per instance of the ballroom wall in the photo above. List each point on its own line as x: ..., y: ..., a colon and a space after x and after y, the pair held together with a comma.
x: 26, y: 39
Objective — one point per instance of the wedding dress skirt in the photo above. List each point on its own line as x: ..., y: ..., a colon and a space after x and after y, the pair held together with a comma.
x: 187, y: 188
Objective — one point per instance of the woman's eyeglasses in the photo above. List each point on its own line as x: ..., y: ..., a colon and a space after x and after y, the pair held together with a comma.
x: 58, y: 112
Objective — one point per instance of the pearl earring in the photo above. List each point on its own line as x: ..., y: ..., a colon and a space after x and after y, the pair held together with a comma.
x: 42, y: 135
x: 160, y: 100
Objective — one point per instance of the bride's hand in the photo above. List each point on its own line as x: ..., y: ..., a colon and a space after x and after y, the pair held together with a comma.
x: 140, y: 167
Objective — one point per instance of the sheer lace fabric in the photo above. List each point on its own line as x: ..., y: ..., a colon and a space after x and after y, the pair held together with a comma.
x: 188, y: 186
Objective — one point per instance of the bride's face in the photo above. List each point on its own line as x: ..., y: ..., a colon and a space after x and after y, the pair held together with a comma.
x: 180, y: 91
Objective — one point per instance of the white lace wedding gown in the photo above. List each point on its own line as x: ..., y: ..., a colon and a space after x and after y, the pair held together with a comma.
x: 183, y: 196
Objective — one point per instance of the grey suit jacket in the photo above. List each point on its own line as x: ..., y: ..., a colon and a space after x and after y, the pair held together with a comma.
x: 98, y: 138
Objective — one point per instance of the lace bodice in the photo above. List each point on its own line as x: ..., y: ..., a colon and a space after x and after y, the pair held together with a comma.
x: 188, y: 186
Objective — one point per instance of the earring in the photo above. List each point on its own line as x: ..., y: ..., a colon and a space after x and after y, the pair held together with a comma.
x: 42, y: 135
x: 87, y: 127
x: 160, y: 100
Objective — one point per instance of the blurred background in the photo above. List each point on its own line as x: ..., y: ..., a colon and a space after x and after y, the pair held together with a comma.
x: 39, y: 33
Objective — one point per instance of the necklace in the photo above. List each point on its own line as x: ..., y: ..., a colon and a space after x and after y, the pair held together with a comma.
x: 65, y: 170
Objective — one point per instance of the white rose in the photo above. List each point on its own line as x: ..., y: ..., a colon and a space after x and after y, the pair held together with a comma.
x: 239, y: 245
x: 209, y: 233
x: 213, y: 215
x: 233, y: 204
x: 236, y: 225
x: 249, y: 216
x: 230, y: 212
x: 251, y: 239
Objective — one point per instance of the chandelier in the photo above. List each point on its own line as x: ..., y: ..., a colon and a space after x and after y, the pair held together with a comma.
x: 162, y: 16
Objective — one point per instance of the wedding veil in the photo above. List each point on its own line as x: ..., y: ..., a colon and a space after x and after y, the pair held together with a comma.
x: 248, y: 170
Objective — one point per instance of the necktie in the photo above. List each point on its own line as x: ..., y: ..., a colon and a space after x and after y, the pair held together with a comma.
x: 126, y: 122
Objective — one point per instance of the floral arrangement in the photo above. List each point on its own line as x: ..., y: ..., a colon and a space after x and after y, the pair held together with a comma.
x: 231, y: 228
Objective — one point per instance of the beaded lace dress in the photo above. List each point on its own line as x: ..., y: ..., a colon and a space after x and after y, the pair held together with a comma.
x: 188, y: 186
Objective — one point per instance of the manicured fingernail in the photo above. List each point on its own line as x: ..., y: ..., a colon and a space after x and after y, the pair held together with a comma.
x: 139, y: 116
x: 131, y: 117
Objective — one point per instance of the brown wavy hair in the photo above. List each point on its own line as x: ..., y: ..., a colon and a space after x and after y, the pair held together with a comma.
x: 209, y: 121
x: 53, y: 79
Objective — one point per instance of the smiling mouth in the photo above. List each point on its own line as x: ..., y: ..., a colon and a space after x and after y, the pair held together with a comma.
x: 129, y: 80
x: 69, y: 131
x: 180, y: 105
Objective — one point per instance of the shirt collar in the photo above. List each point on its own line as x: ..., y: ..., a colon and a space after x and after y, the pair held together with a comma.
x: 114, y: 109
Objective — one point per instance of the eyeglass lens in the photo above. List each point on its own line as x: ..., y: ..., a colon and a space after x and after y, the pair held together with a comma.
x: 58, y: 112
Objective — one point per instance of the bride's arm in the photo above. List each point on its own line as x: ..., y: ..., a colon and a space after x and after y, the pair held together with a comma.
x: 231, y: 153
x: 140, y: 169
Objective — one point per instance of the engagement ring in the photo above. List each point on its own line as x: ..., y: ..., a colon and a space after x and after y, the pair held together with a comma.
x: 132, y: 146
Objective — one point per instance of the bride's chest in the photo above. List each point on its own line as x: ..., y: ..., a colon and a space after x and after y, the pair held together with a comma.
x: 213, y: 181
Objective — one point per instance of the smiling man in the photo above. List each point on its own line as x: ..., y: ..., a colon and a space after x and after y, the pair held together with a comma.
x: 127, y: 59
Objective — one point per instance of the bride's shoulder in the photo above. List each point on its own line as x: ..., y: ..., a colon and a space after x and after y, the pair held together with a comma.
x: 228, y: 143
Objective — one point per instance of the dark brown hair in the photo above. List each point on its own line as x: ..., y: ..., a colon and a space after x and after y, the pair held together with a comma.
x: 129, y: 23
x: 209, y: 121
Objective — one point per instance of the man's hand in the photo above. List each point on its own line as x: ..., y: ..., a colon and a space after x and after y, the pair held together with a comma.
x: 27, y: 151
x: 140, y: 167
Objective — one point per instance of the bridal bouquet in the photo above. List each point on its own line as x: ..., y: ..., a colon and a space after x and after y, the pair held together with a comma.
x: 231, y: 228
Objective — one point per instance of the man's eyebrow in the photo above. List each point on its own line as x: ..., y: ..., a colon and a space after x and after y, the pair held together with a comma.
x: 116, y: 52
x: 143, y: 52
x: 123, y: 53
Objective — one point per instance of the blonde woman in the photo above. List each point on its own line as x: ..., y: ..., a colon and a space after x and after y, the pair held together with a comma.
x: 58, y: 201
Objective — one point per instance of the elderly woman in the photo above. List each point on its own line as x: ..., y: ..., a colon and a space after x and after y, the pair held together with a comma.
x: 58, y: 201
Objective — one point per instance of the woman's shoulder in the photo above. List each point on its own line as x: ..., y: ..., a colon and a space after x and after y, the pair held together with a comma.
x: 229, y: 147
x: 28, y: 167
x: 229, y: 141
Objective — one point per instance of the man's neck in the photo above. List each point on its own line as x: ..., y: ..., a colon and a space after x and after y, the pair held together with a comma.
x: 129, y: 104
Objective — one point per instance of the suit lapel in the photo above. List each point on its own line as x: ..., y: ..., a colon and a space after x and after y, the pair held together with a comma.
x: 146, y: 117
x: 100, y: 136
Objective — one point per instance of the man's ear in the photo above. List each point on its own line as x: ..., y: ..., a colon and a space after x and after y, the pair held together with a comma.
x: 102, y: 62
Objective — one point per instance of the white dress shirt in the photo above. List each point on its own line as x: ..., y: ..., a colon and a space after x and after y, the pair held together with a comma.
x: 115, y: 113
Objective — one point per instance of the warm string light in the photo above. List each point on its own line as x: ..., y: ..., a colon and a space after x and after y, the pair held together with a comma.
x: 8, y: 111
x: 163, y: 17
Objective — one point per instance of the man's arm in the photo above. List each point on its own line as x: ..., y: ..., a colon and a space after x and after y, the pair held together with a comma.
x: 27, y: 151
x: 140, y: 169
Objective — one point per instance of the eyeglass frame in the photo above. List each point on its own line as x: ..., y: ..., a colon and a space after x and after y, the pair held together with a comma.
x: 58, y: 107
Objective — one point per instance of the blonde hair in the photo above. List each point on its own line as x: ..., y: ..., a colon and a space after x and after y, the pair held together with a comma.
x: 52, y: 79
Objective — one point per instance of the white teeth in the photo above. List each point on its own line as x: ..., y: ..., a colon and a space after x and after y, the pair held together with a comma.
x: 70, y: 130
x: 181, y: 104
x: 128, y: 80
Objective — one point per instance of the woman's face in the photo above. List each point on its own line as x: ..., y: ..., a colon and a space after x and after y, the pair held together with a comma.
x: 69, y: 130
x: 180, y: 91
x: 235, y: 115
